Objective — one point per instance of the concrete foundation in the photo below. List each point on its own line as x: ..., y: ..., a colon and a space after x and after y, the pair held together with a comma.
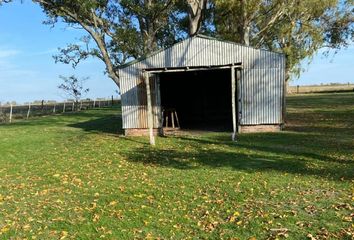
x: 158, y: 132
x: 260, y: 128
x: 136, y: 132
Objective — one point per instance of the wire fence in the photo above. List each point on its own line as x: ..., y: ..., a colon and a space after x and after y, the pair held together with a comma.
x: 11, y: 112
x: 331, y: 88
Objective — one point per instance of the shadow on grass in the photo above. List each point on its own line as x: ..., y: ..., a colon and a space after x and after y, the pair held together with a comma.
x: 301, y: 145
x: 309, y: 148
x: 111, y: 124
x: 217, y: 152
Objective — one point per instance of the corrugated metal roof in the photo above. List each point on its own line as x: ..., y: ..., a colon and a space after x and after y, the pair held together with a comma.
x: 197, y: 36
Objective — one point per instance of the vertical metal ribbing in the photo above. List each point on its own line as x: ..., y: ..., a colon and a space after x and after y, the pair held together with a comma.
x: 261, y: 86
x: 252, y: 87
x: 267, y: 84
x: 274, y: 92
x: 256, y: 95
x: 262, y: 90
x: 244, y: 96
x: 269, y: 100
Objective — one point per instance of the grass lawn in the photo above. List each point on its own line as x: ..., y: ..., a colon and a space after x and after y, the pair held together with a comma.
x: 73, y: 176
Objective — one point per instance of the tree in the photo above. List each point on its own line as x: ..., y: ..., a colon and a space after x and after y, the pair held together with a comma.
x: 294, y: 27
x: 122, y: 30
x: 241, y: 21
x: 154, y: 22
x: 4, y: 1
x: 196, y: 10
x: 191, y: 17
x: 73, y: 87
x: 116, y: 30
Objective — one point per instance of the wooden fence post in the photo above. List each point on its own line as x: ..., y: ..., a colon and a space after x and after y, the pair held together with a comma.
x: 112, y: 100
x: 64, y: 107
x: 73, y: 107
x: 54, y: 109
x: 80, y: 105
x: 29, y: 110
x: 10, y: 120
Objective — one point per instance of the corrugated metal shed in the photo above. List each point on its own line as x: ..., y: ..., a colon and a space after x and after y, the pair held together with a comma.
x: 262, y: 79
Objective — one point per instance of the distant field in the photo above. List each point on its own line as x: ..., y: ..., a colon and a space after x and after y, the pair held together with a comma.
x: 73, y: 176
x: 322, y: 88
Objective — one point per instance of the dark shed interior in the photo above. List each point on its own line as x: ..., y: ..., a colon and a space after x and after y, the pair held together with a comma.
x: 202, y: 99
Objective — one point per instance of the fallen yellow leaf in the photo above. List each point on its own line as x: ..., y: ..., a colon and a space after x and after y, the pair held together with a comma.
x: 4, y: 229
x: 26, y: 227
x: 113, y: 203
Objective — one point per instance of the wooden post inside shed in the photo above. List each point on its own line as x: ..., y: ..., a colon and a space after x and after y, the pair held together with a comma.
x: 149, y: 108
x: 239, y: 100
x: 233, y: 97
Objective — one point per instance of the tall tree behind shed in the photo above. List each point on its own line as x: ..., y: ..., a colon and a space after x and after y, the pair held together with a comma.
x: 196, y: 10
x: 293, y: 27
x: 117, y: 31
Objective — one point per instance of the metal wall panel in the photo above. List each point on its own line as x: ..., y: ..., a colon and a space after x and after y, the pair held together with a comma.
x: 262, y: 79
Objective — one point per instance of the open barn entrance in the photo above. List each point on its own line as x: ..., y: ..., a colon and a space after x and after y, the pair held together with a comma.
x: 201, y: 99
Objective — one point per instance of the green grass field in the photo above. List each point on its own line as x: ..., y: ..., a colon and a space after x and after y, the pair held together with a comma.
x: 74, y: 176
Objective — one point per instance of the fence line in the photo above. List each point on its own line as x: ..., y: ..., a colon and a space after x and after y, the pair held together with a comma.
x: 321, y: 88
x: 10, y: 112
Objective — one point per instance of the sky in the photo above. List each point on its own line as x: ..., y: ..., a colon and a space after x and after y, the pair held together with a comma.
x: 28, y: 71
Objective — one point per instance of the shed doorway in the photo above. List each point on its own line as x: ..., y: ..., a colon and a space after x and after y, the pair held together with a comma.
x: 202, y: 99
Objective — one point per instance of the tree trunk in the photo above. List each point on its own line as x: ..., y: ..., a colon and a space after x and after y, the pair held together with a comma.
x: 285, y: 91
x: 246, y: 35
x: 150, y: 40
x: 148, y: 29
x: 195, y: 15
x: 245, y: 24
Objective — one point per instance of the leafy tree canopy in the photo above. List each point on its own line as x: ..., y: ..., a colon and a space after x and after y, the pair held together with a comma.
x: 118, y: 31
x: 294, y: 27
